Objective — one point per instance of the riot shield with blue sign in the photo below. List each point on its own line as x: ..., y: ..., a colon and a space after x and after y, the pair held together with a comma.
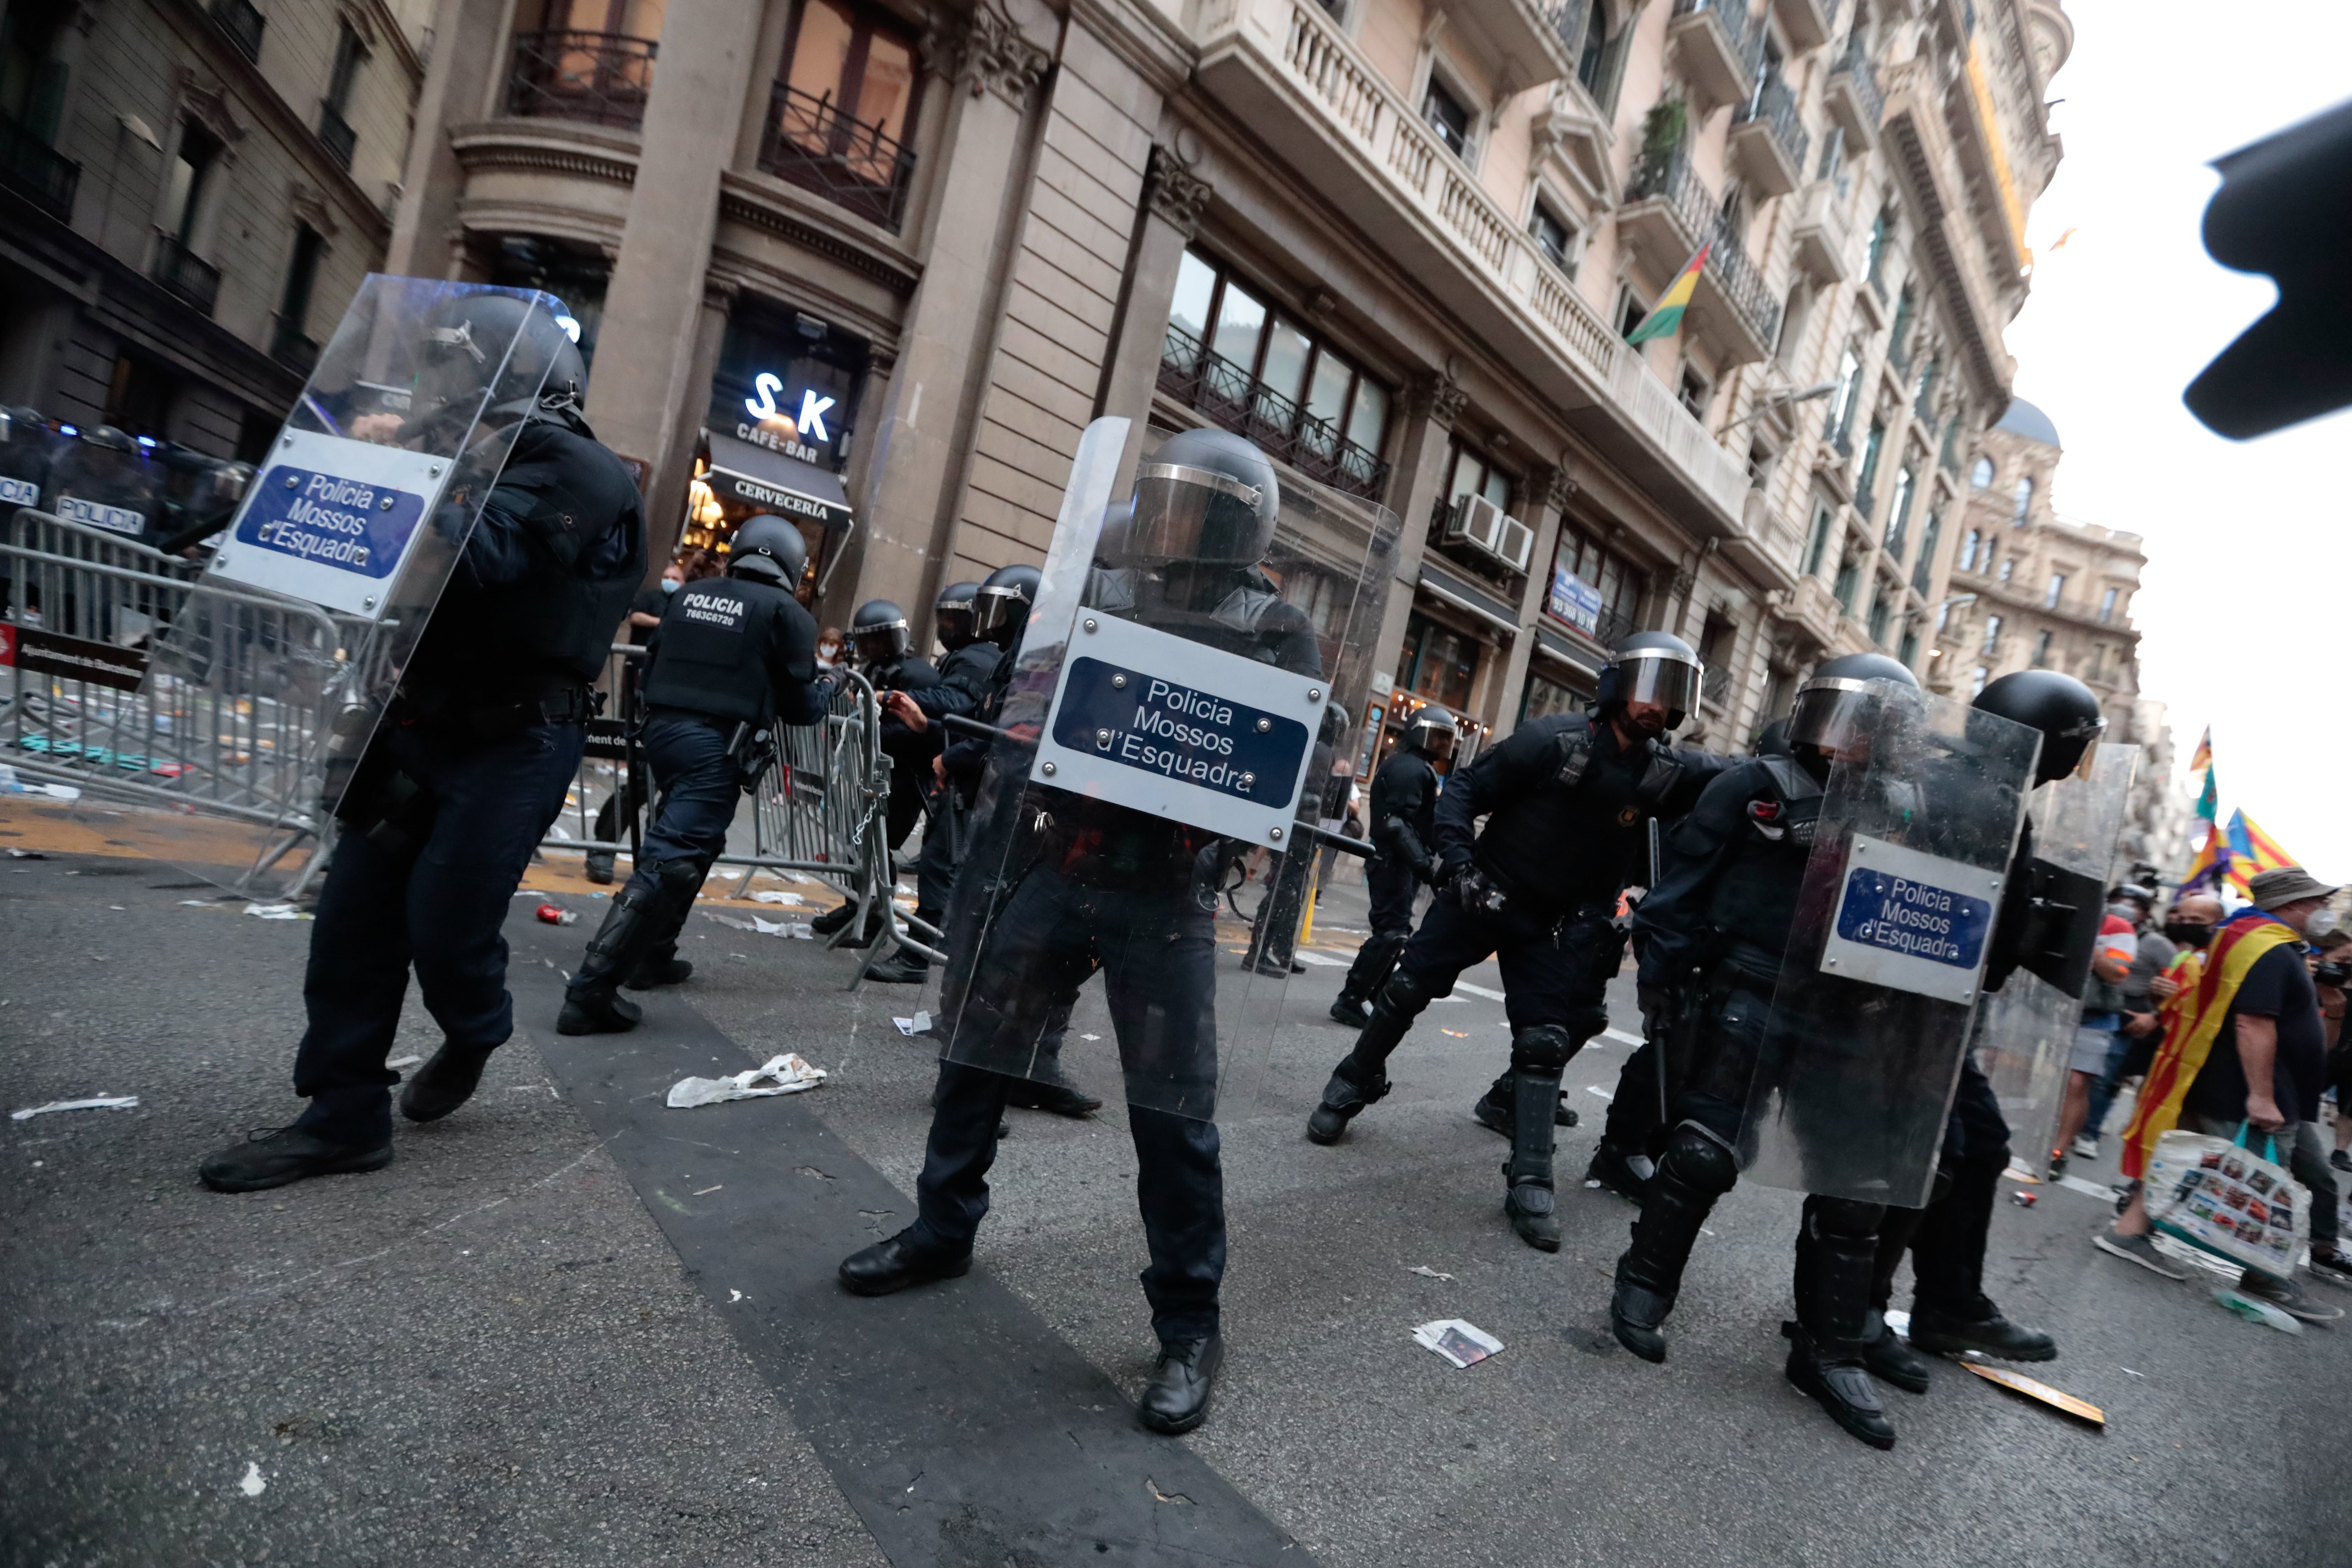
x: 1167, y: 739
x: 2025, y: 1030
x: 275, y: 665
x: 1883, y: 969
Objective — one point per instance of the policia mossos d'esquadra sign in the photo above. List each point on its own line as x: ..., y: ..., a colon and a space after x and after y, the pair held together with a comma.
x: 1180, y: 730
x: 1169, y: 721
x: 1883, y: 969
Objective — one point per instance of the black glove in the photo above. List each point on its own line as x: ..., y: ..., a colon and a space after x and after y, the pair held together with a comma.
x: 1470, y: 889
x: 1425, y: 870
x: 1657, y: 1006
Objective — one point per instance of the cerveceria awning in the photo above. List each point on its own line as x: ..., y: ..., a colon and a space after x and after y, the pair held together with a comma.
x: 750, y: 475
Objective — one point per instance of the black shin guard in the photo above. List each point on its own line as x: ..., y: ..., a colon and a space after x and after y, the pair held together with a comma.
x: 1538, y: 1055
x: 1696, y: 1170
x: 1362, y: 1078
x: 1837, y: 1254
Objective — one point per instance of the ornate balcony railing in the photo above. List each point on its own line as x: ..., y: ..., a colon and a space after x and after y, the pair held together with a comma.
x: 1776, y: 106
x: 241, y: 22
x: 1731, y: 16
x: 37, y: 171
x: 599, y: 77
x: 178, y: 270
x: 336, y: 135
x: 849, y: 162
x: 1213, y: 385
x: 1856, y: 67
x: 1669, y: 178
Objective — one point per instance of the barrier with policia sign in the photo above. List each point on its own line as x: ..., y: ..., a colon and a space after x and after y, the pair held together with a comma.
x: 1169, y: 716
x: 1884, y: 966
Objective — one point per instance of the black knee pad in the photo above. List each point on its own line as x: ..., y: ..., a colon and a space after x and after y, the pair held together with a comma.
x: 1404, y: 995
x: 681, y: 876
x: 1846, y: 1218
x: 1545, y: 1048
x: 1697, y: 1158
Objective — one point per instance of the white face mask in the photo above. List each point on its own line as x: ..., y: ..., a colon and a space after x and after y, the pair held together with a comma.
x: 671, y: 584
x: 2322, y: 922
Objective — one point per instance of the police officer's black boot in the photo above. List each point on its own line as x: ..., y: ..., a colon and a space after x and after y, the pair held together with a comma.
x: 446, y: 1082
x: 1361, y: 1078
x: 833, y: 918
x: 1837, y: 1245
x: 1884, y: 1351
x: 1950, y: 1313
x: 1352, y: 1010
x: 904, y: 966
x: 1538, y: 1057
x: 1696, y: 1170
x: 1498, y: 1110
x: 640, y: 917
x: 661, y: 965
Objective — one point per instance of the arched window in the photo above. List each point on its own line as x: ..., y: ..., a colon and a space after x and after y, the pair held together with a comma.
x: 2025, y: 503
x: 1981, y: 475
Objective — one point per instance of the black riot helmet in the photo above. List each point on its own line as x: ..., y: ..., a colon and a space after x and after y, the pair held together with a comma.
x: 1653, y: 667
x: 770, y: 549
x: 1773, y: 740
x: 1836, y: 700
x: 2059, y: 706
x: 24, y: 446
x: 879, y: 633
x: 467, y: 351
x: 1206, y: 498
x: 953, y: 614
x: 1005, y: 603
x: 1432, y: 733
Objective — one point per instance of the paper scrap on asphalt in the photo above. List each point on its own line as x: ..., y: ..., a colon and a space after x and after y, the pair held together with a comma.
x: 252, y: 1485
x: 1458, y: 1034
x: 786, y: 1074
x: 273, y: 911
x: 1461, y: 1342
x: 1478, y: 991
x: 919, y: 1024
x: 1596, y: 1088
x: 2082, y: 1409
x: 1426, y: 1272
x: 799, y: 929
x: 399, y: 1063
x: 2088, y: 1189
x: 95, y: 1102
x: 26, y: 855
x: 1308, y: 955
x: 771, y: 896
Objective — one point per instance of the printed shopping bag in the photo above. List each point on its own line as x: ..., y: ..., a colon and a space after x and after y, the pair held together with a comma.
x: 2220, y: 1196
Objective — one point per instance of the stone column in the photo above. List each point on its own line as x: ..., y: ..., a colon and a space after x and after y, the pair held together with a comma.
x: 1173, y: 197
x: 923, y: 416
x: 470, y: 58
x: 1547, y: 489
x: 1432, y: 403
x: 642, y: 395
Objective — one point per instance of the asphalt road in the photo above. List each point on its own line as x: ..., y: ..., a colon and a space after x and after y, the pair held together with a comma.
x: 571, y: 1326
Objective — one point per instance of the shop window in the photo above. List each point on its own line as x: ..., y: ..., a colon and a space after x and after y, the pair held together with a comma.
x: 1438, y: 662
x: 843, y: 107
x: 1249, y: 367
x: 1444, y: 111
x: 1545, y: 697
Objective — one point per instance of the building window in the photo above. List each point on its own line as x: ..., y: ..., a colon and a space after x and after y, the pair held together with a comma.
x: 1977, y: 679
x: 1869, y: 477
x: 292, y: 345
x: 1898, y: 343
x: 1553, y: 236
x: 1469, y: 473
x: 1878, y: 613
x: 1928, y: 537
x: 1247, y: 366
x: 2057, y: 590
x: 1599, y: 61
x: 192, y: 168
x: 1631, y: 312
x: 335, y: 131
x: 1981, y: 475
x: 1898, y: 511
x: 32, y: 81
x: 2041, y: 650
x: 1969, y: 545
x: 842, y: 108
x: 1818, y: 540
x: 1842, y: 407
x: 1993, y: 634
x: 1446, y: 115
x: 2025, y: 503
x: 1544, y: 697
x: 1606, y: 590
x: 1692, y: 391
x: 1438, y: 662
x: 1849, y: 578
x: 2108, y: 606
x: 1923, y: 394
x: 1908, y: 653
x: 1761, y: 459
x: 1882, y: 231
x: 2008, y: 566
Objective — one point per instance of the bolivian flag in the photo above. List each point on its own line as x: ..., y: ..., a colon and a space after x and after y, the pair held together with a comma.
x: 1667, y: 313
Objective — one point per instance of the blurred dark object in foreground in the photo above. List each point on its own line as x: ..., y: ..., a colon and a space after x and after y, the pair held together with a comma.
x: 2285, y: 208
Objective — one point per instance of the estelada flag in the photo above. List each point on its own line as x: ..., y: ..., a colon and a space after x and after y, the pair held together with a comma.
x: 1667, y: 313
x: 2251, y: 852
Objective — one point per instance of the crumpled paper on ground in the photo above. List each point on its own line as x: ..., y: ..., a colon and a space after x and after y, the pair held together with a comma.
x: 786, y: 1074
x: 96, y: 1102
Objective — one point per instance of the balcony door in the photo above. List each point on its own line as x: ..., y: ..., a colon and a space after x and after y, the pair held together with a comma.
x: 849, y: 90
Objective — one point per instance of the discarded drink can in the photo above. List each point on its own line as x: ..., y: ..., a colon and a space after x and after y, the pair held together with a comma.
x: 2024, y: 1199
x: 556, y: 917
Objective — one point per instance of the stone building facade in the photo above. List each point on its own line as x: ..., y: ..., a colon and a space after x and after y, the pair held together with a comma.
x: 189, y: 195
x: 2029, y: 589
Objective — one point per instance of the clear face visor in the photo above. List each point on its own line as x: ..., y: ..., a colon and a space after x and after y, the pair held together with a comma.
x: 954, y: 619
x: 2086, y: 736
x: 1434, y: 738
x: 882, y: 644
x: 997, y: 610
x: 1835, y: 717
x: 1671, y: 682
x: 1184, y: 514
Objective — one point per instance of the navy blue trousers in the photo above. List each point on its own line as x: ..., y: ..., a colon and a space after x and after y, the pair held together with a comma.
x: 1556, y: 970
x: 1157, y: 950
x: 434, y: 906
x: 699, y: 793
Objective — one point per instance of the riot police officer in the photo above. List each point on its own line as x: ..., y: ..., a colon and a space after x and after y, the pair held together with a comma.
x: 1567, y: 800
x: 733, y: 657
x: 1404, y: 814
x: 470, y: 764
x: 883, y: 643
x: 1711, y: 936
x: 1950, y: 1313
x: 1093, y: 885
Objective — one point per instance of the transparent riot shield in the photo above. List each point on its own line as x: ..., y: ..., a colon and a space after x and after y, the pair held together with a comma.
x: 1168, y: 735
x: 1884, y: 968
x: 2025, y: 1030
x: 269, y: 673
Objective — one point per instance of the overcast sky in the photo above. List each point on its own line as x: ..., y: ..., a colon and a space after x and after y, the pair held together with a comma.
x: 2246, y: 601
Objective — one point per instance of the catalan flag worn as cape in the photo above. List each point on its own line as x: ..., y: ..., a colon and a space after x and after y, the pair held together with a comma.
x: 1667, y: 314
x: 2192, y: 1023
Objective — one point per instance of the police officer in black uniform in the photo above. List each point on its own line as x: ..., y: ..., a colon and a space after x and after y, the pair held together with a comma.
x: 733, y: 657
x: 1403, y: 813
x: 1091, y: 885
x: 1950, y: 1313
x: 1711, y: 936
x: 882, y: 646
x: 1567, y: 800
x: 467, y: 768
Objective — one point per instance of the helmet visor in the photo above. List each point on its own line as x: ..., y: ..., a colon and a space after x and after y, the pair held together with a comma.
x: 1434, y: 738
x: 1835, y: 716
x: 884, y: 643
x: 1184, y: 514
x: 997, y: 610
x: 1665, y: 678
